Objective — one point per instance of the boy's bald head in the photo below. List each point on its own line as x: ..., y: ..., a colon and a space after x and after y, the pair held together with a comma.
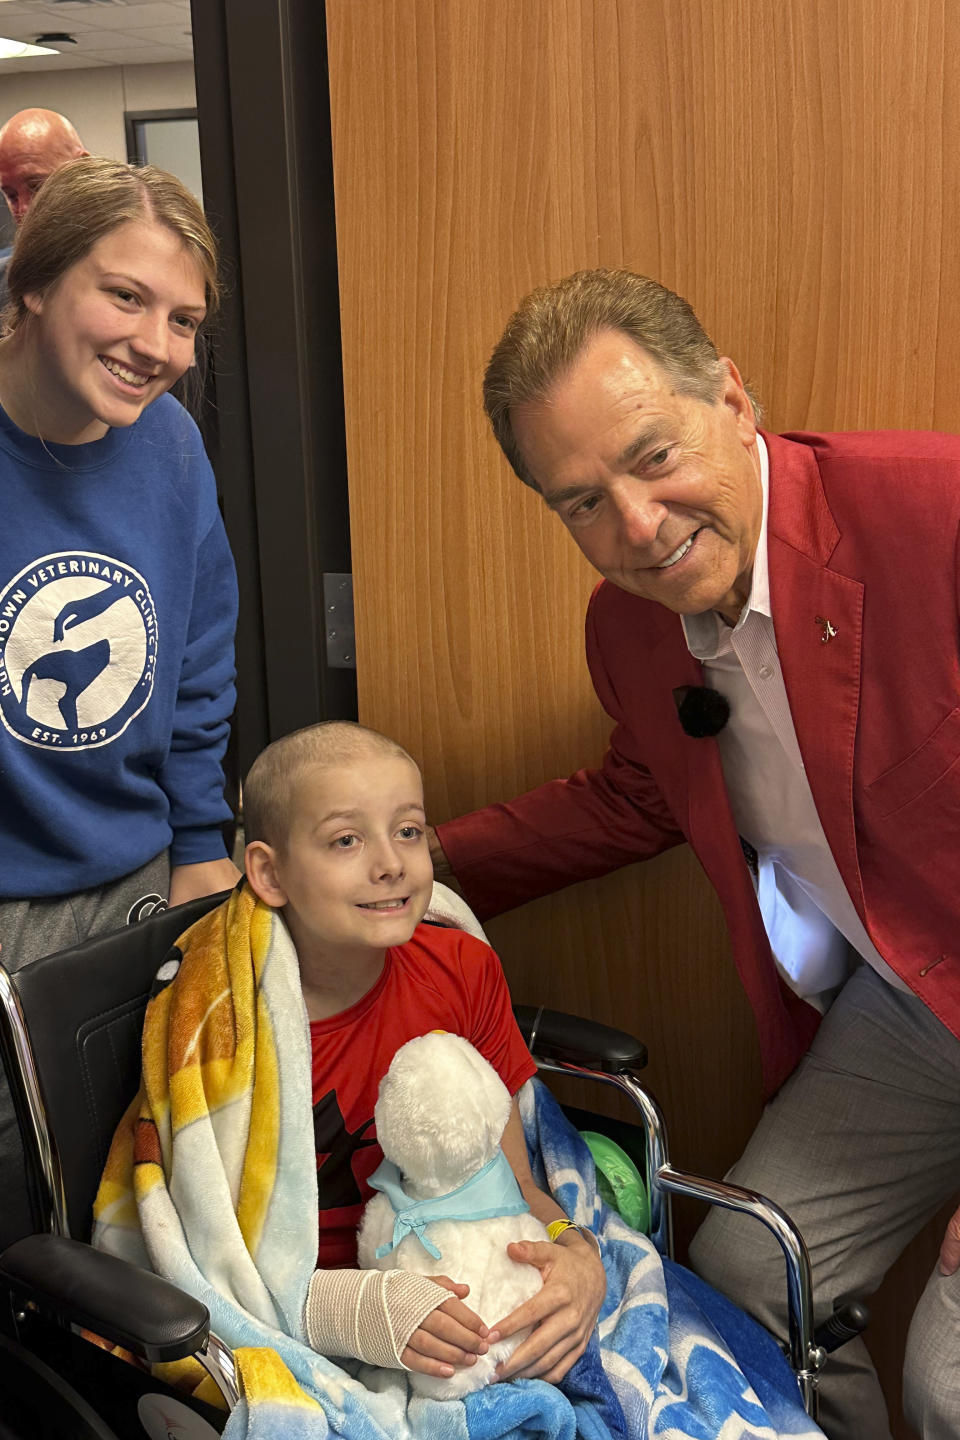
x: 269, y: 791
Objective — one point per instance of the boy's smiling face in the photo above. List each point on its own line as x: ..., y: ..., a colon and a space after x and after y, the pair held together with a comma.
x: 355, y: 872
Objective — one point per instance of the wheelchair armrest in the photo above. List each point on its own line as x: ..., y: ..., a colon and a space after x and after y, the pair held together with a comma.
x: 118, y: 1301
x: 552, y: 1035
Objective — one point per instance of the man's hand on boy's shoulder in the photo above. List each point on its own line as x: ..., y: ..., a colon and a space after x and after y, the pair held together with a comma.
x: 563, y: 1313
x: 441, y: 865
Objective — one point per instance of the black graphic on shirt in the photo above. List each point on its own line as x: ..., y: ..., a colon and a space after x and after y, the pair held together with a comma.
x: 336, y: 1147
x: 76, y: 671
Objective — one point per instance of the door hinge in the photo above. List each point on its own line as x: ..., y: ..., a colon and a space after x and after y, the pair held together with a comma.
x: 338, y: 622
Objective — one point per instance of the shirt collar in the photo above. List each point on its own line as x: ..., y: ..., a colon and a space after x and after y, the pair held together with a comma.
x: 706, y: 633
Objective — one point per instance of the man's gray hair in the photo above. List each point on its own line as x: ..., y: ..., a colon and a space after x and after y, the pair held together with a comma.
x: 554, y: 323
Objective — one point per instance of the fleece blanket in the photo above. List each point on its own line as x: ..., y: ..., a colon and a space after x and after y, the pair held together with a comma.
x: 211, y: 1182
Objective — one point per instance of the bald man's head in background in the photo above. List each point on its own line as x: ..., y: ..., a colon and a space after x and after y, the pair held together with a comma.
x: 33, y: 143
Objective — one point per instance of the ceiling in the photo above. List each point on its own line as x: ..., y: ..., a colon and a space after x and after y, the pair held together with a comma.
x: 107, y: 32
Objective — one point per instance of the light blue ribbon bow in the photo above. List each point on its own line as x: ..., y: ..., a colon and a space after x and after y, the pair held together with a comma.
x: 492, y: 1191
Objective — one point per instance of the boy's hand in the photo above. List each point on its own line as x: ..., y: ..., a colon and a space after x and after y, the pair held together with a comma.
x: 450, y: 1338
x: 563, y: 1313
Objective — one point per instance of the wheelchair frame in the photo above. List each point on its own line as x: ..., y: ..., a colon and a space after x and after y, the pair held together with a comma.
x: 563, y: 1053
x: 559, y: 1043
x: 182, y: 1324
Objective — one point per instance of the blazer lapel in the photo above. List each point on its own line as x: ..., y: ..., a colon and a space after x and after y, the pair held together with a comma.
x: 817, y: 619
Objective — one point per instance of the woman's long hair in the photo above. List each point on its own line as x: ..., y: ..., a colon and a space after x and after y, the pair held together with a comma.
x: 83, y: 201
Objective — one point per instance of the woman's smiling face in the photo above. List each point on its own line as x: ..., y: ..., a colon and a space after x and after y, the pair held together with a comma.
x: 114, y: 332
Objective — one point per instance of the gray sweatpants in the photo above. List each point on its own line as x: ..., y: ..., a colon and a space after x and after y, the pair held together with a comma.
x: 30, y: 929
x: 861, y: 1147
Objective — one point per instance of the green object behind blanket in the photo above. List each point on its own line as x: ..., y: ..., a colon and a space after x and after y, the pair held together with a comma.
x: 619, y: 1181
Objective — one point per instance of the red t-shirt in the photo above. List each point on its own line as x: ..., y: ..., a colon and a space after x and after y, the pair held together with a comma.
x: 440, y: 980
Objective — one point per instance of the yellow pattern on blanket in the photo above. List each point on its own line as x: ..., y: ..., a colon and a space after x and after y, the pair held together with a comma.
x: 211, y: 1177
x: 206, y: 1047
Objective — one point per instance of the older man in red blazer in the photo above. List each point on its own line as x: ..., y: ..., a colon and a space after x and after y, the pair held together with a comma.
x: 778, y: 642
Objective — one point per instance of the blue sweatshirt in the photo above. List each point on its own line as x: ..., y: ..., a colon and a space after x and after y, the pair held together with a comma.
x: 118, y: 605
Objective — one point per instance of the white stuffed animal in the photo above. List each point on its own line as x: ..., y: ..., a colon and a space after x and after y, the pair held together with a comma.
x: 440, y: 1117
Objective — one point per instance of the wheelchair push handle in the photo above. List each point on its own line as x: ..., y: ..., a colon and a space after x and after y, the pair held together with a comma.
x: 846, y: 1323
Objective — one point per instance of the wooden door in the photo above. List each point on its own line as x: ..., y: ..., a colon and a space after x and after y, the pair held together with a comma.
x: 783, y: 167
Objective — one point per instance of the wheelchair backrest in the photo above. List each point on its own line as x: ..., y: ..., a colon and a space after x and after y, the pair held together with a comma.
x: 82, y: 1010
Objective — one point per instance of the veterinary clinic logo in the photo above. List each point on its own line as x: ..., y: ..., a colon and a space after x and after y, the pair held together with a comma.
x: 78, y: 650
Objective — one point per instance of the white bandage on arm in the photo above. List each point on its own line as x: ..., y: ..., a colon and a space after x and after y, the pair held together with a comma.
x: 368, y: 1314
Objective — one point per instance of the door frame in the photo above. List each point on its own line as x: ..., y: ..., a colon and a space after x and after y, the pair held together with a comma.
x: 277, y: 436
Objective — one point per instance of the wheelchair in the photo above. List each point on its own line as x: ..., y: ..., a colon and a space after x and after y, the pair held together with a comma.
x: 70, y: 1029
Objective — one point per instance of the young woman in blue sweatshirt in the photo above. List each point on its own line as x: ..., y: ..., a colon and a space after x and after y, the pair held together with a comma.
x: 118, y: 594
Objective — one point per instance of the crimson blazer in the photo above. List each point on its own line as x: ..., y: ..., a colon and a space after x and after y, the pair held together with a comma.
x: 863, y: 531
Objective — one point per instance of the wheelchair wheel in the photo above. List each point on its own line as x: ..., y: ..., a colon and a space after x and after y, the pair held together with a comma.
x: 78, y: 1391
x: 35, y: 1401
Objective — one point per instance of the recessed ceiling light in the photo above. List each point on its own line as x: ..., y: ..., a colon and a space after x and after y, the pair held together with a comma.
x: 56, y: 37
x: 20, y: 50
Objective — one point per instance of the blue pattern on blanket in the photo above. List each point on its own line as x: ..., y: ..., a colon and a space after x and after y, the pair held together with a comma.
x: 663, y: 1364
x: 752, y: 1347
x: 681, y: 1358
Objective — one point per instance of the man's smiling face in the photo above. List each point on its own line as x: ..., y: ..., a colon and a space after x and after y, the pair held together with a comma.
x: 660, y: 490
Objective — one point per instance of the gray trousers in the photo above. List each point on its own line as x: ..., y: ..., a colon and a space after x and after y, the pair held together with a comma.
x: 861, y: 1147
x: 30, y: 929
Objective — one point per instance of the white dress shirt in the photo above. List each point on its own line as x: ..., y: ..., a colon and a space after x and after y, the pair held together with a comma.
x: 809, y: 917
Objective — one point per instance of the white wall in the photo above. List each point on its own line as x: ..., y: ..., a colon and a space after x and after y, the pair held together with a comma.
x: 95, y: 99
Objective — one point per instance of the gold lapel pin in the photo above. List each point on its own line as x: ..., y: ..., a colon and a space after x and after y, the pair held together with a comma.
x: 829, y: 629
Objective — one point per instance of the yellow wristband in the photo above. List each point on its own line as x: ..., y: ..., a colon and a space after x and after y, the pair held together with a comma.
x: 556, y: 1228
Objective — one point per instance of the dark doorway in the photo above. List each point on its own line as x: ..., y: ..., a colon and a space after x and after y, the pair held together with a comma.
x: 276, y: 437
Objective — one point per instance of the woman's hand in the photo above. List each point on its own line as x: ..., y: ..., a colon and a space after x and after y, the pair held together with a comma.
x: 189, y: 882
x: 563, y: 1313
x: 450, y: 1338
